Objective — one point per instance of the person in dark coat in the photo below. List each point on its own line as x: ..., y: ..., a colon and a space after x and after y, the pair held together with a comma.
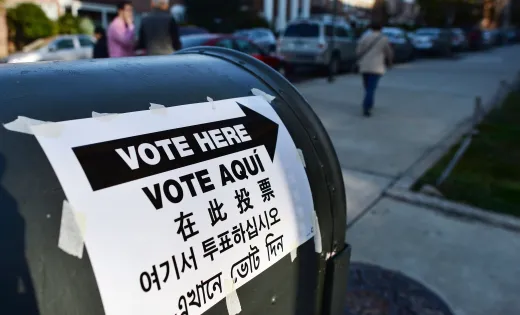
x: 159, y: 33
x: 101, y: 48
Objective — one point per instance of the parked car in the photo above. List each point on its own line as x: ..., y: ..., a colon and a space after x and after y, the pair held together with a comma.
x: 475, y: 38
x: 433, y: 40
x: 62, y: 47
x: 190, y: 30
x: 488, y: 38
x: 308, y: 42
x: 263, y: 37
x: 401, y: 43
x: 241, y: 44
x: 459, y: 42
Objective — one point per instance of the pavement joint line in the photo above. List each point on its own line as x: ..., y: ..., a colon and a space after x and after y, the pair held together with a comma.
x: 454, y: 209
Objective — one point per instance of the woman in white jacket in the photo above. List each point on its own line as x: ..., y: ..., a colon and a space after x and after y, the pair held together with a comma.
x: 374, y: 53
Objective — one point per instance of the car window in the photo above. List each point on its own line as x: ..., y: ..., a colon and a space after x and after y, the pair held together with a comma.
x: 61, y: 44
x: 226, y: 43
x: 341, y: 32
x: 328, y: 30
x: 194, y: 40
x: 85, y: 42
x: 257, y: 35
x: 247, y: 47
x: 302, y: 30
x: 427, y: 32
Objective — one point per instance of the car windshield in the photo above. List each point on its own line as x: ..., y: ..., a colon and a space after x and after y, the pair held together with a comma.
x: 391, y: 33
x: 302, y: 30
x: 427, y: 32
x: 194, y: 40
x: 190, y: 30
x: 246, y: 34
x: 37, y: 44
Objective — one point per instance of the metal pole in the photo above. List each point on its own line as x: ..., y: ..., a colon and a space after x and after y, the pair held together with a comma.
x: 332, y: 40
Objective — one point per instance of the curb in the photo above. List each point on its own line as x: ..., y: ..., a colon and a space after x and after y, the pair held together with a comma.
x: 455, y: 209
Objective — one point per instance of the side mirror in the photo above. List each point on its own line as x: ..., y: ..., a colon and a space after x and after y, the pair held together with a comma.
x: 52, y: 48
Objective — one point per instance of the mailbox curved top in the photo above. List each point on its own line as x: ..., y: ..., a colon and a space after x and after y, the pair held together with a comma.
x: 36, y: 277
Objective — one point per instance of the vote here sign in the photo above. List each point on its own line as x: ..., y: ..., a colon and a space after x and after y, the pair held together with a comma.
x: 182, y: 205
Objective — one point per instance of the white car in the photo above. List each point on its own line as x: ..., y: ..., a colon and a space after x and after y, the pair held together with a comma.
x: 63, y: 47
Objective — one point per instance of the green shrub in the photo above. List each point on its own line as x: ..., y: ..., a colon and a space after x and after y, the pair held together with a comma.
x: 27, y: 22
x: 86, y: 26
x: 68, y: 24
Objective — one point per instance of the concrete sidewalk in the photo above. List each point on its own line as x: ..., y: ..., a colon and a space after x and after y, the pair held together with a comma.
x: 472, y: 266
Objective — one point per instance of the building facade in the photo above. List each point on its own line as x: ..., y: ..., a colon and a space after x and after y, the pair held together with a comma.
x: 279, y: 12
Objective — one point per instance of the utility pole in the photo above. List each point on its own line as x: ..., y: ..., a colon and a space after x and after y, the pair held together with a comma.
x: 332, y: 40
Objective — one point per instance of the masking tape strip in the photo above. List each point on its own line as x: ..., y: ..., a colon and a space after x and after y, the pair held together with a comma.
x: 267, y: 97
x: 209, y: 99
x: 22, y: 124
x: 294, y: 254
x: 103, y: 116
x: 233, y: 303
x: 317, y: 234
x: 157, y: 108
x: 302, y: 158
x: 71, y: 231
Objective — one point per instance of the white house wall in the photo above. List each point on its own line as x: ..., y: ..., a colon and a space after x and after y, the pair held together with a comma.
x: 297, y: 9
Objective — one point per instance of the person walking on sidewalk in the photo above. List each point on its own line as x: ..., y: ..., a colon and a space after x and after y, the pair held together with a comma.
x: 121, y: 32
x: 159, y: 33
x: 374, y: 55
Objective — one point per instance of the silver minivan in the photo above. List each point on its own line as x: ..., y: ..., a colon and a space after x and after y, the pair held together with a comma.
x: 308, y: 42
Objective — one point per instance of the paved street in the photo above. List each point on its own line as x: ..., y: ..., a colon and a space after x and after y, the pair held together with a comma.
x: 473, y: 266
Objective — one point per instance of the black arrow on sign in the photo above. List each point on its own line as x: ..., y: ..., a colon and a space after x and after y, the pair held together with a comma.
x: 105, y: 168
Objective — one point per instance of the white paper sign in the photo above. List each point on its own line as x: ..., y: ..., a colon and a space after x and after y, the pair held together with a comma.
x: 184, y: 205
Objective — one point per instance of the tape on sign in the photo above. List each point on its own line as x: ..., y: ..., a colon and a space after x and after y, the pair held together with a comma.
x: 267, y: 97
x: 211, y: 101
x: 71, y: 231
x: 49, y: 130
x: 157, y: 108
x: 23, y: 124
x: 233, y: 303
x: 294, y: 254
x: 103, y: 116
x: 317, y: 234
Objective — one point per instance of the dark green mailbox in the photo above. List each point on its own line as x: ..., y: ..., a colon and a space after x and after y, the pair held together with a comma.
x: 195, y: 183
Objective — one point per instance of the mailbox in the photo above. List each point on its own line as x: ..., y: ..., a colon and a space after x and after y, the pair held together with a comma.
x: 132, y: 185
